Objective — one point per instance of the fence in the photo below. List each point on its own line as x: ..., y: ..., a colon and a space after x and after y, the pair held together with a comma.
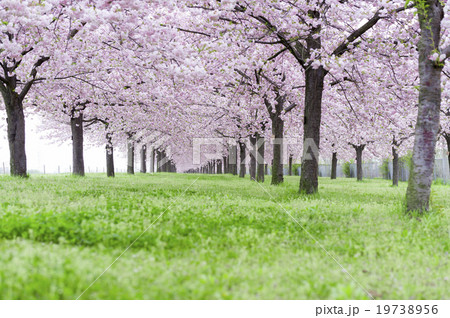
x: 370, y: 170
x: 59, y: 170
x: 373, y: 170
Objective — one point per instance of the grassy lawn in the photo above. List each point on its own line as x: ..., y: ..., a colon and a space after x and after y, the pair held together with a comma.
x: 223, y: 238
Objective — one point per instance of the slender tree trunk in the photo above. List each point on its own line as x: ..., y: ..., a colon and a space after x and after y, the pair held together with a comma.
x: 152, y: 160
x: 219, y: 166
x: 427, y: 125
x: 158, y: 160
x: 242, y: 159
x: 109, y: 156
x: 359, y: 171
x: 395, y: 167
x: 252, y: 158
x: 309, y: 180
x: 334, y: 166
x: 277, y: 162
x: 290, y: 165
x: 163, y: 161
x: 266, y: 169
x: 260, y: 157
x: 225, y: 164
x: 143, y: 159
x: 232, y: 163
x: 76, y: 124
x: 130, y: 156
x: 447, y: 139
x: 16, y: 133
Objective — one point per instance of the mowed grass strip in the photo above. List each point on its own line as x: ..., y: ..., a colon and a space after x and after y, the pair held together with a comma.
x: 224, y: 238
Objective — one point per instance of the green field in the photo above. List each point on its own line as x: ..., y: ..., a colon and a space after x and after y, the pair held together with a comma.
x: 223, y: 238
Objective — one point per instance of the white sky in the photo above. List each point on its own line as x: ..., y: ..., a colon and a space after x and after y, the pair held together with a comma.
x: 41, y: 151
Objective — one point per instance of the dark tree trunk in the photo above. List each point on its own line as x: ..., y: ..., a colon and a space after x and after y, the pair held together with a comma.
x: 314, y: 79
x: 447, y: 139
x: 143, y: 159
x: 427, y: 125
x: 130, y: 156
x: 232, y: 163
x: 76, y: 124
x: 225, y: 164
x: 158, y: 160
x: 334, y: 166
x: 164, y: 162
x: 219, y: 166
x: 290, y: 165
x: 260, y: 158
x: 395, y: 168
x: 109, y: 156
x: 242, y: 159
x: 16, y: 132
x: 266, y: 169
x: 277, y: 162
x: 252, y: 158
x: 359, y: 171
x: 152, y: 160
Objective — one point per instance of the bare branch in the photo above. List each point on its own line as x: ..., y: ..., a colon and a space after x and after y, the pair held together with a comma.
x: 33, y: 74
x: 290, y: 107
x: 194, y: 32
x: 344, y: 46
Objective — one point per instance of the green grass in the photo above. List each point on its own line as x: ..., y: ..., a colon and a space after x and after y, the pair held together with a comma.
x: 223, y: 238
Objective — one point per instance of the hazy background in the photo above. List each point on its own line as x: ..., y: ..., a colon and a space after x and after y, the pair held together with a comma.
x: 51, y: 153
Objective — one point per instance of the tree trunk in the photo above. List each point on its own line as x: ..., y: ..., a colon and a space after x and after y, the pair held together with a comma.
x: 76, y: 124
x: 130, y: 156
x: 427, y: 125
x: 359, y: 171
x: 314, y: 79
x: 290, y: 165
x: 152, y: 160
x: 163, y: 161
x: 16, y: 133
x: 395, y: 168
x: 252, y: 158
x: 447, y: 139
x: 334, y: 166
x: 109, y: 156
x: 219, y: 166
x: 232, y: 163
x: 242, y: 159
x: 277, y: 162
x: 158, y: 160
x: 143, y: 159
x: 266, y: 169
x: 225, y: 164
x: 260, y: 157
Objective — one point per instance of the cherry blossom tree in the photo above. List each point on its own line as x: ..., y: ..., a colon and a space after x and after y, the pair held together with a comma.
x: 431, y: 62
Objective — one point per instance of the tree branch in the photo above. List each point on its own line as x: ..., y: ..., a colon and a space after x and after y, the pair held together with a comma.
x: 194, y: 32
x: 33, y: 74
x: 289, y: 108
x: 344, y: 46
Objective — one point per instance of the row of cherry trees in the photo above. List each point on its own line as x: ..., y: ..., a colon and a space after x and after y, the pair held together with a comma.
x: 283, y: 80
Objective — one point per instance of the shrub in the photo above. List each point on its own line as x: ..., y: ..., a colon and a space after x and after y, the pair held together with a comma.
x: 346, y: 169
x: 295, y: 168
x: 406, y: 160
x: 384, y: 168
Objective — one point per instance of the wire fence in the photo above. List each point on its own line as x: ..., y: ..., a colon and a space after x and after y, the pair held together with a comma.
x: 62, y: 169
x: 370, y: 170
x: 375, y: 170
